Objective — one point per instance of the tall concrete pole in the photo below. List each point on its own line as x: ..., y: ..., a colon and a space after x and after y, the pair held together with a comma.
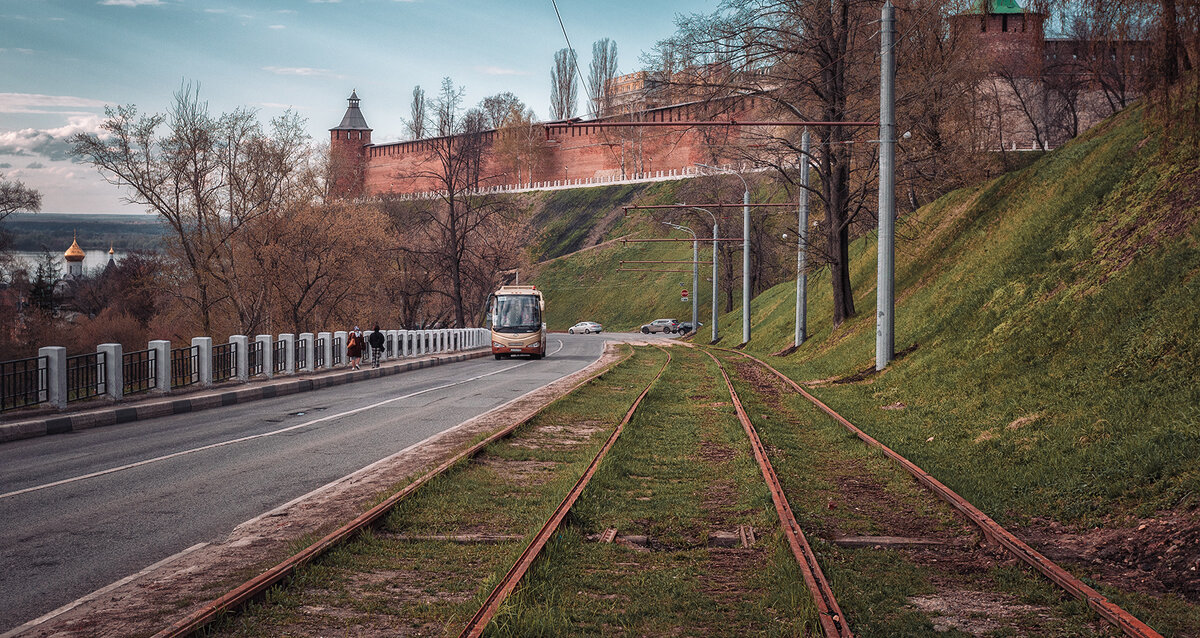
x: 695, y: 283
x: 714, y: 286
x: 802, y: 246
x: 885, y: 309
x: 745, y: 265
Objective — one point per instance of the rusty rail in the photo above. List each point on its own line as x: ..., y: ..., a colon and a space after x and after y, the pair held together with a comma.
x: 507, y: 584
x: 992, y: 530
x: 259, y: 584
x: 830, y: 615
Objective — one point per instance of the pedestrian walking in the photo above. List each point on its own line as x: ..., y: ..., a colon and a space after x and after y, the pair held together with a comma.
x: 376, y: 340
x: 354, y: 347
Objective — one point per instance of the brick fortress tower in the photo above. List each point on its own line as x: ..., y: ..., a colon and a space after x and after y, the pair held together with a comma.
x: 348, y: 144
x: 1010, y: 38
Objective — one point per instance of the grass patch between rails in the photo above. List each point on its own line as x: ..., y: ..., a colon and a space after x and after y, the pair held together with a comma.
x: 384, y: 583
x: 682, y: 470
x: 838, y: 486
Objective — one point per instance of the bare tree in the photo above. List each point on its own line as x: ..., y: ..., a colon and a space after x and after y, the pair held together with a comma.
x: 460, y: 235
x: 16, y: 197
x: 499, y: 107
x: 207, y: 176
x: 416, y: 118
x: 600, y: 75
x: 563, y: 89
x: 521, y: 144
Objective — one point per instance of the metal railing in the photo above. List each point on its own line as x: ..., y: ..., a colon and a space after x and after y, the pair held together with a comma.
x: 254, y: 358
x: 23, y: 382
x: 185, y: 366
x: 224, y: 362
x: 140, y: 371
x: 86, y: 376
x: 337, y: 351
x: 319, y: 359
x: 279, y: 356
x: 301, y: 353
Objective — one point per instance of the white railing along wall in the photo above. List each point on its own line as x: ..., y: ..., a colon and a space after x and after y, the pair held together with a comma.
x: 114, y: 373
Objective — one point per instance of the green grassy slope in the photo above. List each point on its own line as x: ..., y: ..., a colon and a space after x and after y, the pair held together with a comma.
x: 1054, y: 314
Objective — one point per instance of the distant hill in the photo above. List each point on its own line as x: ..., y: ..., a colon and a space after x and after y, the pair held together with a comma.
x: 32, y: 232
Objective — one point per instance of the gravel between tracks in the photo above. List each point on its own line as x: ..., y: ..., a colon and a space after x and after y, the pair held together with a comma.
x: 163, y: 593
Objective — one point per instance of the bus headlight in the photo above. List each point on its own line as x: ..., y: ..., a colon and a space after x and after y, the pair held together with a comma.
x: 497, y: 344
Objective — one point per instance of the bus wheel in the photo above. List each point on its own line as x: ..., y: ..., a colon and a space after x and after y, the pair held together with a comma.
x: 499, y: 356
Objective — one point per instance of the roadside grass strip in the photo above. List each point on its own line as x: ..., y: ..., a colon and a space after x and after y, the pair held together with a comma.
x: 434, y: 558
x: 680, y: 479
x: 840, y: 489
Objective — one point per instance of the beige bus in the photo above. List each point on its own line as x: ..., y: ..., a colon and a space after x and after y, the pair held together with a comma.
x: 518, y: 322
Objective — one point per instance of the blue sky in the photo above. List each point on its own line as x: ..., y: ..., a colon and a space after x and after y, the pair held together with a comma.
x: 61, y: 61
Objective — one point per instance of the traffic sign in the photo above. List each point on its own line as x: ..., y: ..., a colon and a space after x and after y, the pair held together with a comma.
x: 683, y: 297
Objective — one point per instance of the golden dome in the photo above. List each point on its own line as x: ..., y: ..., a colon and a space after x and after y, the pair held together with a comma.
x: 110, y: 249
x: 74, y: 253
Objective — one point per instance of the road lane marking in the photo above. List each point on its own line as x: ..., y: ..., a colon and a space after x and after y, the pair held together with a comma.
x: 243, y: 439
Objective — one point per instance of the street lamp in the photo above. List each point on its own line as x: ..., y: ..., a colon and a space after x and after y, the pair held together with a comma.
x: 714, y: 265
x: 745, y: 249
x: 695, y: 271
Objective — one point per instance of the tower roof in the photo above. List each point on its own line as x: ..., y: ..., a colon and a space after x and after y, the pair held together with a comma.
x: 353, y: 120
x: 74, y: 253
x: 999, y: 7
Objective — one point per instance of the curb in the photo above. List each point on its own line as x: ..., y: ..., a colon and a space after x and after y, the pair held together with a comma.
x: 62, y: 424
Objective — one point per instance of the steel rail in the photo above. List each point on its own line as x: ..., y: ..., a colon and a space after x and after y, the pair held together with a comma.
x: 259, y: 584
x: 992, y: 530
x: 828, y: 612
x: 507, y: 584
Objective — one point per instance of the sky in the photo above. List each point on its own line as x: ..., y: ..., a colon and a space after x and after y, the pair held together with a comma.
x: 63, y: 61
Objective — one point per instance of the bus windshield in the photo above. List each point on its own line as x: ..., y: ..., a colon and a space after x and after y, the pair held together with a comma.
x: 517, y: 314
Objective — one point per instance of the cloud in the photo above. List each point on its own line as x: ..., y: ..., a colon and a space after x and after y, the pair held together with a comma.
x: 302, y: 71
x: 276, y: 26
x: 495, y: 70
x: 324, y: 1
x: 278, y: 105
x: 129, y: 3
x: 18, y: 50
x: 53, y: 143
x: 35, y: 165
x: 38, y: 103
x: 216, y: 10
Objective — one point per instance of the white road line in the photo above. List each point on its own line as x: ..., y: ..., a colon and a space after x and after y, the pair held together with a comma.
x: 243, y: 439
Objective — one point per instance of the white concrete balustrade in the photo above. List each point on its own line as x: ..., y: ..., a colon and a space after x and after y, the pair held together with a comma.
x: 150, y: 370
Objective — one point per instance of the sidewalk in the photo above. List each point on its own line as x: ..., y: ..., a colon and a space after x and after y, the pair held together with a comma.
x: 153, y: 406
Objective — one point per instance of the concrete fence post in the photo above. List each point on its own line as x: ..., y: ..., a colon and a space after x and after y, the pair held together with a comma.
x: 241, y: 343
x: 268, y: 354
x: 203, y: 359
x: 114, y: 370
x: 402, y: 346
x: 55, y: 366
x: 325, y: 341
x: 340, y: 336
x: 289, y: 352
x: 445, y: 340
x: 162, y: 364
x: 310, y: 352
x: 420, y: 342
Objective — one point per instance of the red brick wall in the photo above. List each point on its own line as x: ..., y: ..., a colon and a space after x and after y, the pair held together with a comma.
x: 579, y: 153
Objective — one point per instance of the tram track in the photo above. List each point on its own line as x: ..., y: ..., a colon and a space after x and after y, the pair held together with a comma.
x: 992, y: 531
x: 256, y: 586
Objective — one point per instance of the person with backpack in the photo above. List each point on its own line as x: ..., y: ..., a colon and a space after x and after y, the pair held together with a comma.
x: 376, y: 340
x: 354, y: 347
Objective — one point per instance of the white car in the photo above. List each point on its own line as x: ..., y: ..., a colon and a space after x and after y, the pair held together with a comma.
x: 585, y: 327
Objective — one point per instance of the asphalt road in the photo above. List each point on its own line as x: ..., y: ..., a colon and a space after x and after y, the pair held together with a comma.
x: 79, y: 511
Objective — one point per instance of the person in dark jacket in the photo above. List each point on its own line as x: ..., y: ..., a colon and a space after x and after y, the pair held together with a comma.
x: 376, y: 340
x: 354, y: 347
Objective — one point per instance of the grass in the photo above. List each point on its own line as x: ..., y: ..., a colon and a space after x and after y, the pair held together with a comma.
x: 1052, y: 312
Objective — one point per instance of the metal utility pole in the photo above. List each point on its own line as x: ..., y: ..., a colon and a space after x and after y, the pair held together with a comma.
x: 745, y: 263
x: 695, y: 271
x: 802, y: 246
x: 885, y: 308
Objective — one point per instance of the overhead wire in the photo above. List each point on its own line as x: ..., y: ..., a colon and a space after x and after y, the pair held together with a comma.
x: 571, y: 51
